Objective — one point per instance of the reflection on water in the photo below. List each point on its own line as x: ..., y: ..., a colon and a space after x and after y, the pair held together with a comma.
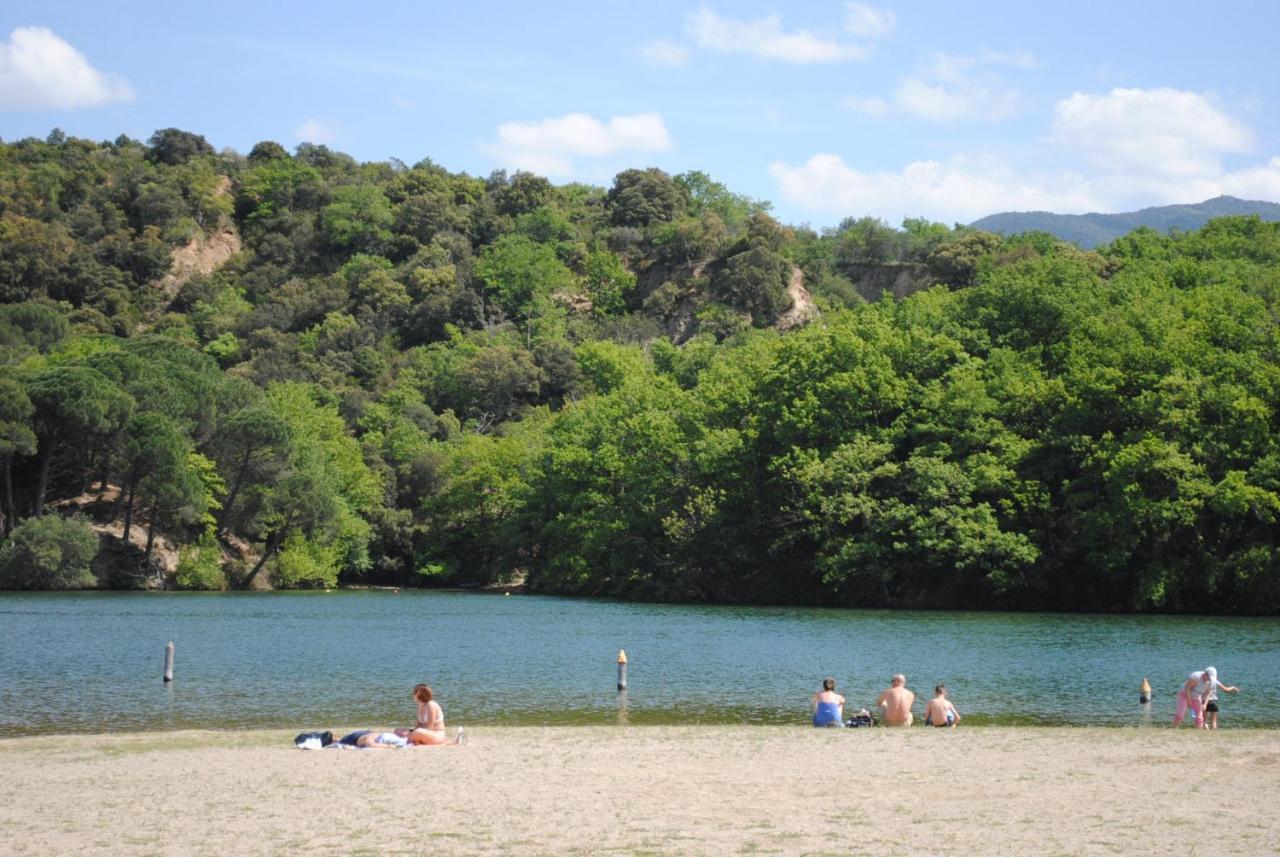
x: 93, y: 661
x: 623, y: 719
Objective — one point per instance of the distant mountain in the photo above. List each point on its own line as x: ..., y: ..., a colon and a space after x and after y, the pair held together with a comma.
x: 1090, y: 230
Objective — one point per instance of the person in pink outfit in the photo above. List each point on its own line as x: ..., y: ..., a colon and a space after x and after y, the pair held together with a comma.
x: 1194, y: 693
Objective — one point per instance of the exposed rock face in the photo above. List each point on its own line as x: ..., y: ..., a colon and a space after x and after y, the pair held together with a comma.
x: 802, y: 309
x: 203, y: 254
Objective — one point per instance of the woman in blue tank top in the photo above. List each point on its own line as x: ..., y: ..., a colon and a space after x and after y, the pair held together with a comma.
x: 828, y: 706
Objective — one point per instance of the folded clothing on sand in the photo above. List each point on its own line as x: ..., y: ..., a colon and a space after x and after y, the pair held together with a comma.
x: 313, y: 740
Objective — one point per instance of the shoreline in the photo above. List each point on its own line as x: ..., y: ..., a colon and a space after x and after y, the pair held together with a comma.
x: 651, y: 790
x: 281, y: 733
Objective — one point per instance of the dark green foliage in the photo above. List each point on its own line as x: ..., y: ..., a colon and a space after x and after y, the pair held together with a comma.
x: 172, y: 146
x: 48, y: 553
x: 755, y: 281
x: 643, y: 197
x: 417, y: 377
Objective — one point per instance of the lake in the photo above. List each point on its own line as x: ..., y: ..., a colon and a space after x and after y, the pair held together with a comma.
x: 93, y: 662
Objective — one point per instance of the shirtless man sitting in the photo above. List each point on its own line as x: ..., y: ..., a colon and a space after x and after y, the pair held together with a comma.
x: 940, y: 711
x: 897, y: 702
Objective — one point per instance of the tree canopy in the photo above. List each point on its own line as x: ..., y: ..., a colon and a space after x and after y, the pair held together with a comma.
x: 410, y: 376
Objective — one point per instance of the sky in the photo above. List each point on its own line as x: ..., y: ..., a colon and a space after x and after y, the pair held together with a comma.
x: 948, y: 111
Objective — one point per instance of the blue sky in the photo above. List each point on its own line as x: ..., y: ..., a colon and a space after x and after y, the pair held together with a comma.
x: 946, y: 111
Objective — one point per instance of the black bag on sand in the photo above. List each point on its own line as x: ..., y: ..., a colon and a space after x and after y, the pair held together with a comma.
x: 309, y: 740
x: 861, y: 719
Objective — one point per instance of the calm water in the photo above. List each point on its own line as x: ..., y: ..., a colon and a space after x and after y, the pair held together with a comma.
x: 93, y: 661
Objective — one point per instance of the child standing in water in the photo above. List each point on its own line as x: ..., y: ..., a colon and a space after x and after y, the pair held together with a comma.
x: 1211, y: 702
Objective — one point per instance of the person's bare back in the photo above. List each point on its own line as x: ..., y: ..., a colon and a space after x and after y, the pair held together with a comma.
x: 897, y: 702
x: 940, y: 711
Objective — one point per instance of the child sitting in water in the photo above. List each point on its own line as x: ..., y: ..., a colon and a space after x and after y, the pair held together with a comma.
x: 940, y: 711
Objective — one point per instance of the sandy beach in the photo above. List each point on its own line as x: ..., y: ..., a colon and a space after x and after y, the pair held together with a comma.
x: 650, y: 790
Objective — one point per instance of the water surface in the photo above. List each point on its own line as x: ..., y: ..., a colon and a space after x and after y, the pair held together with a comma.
x: 92, y: 662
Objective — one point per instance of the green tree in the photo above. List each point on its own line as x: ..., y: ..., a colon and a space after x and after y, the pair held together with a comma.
x: 48, y: 553
x: 359, y: 218
x: 642, y: 197
x: 608, y: 282
x: 16, y: 438
x: 517, y: 271
x: 72, y: 404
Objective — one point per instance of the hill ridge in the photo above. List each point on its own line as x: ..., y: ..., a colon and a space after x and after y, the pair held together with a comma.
x: 1094, y: 228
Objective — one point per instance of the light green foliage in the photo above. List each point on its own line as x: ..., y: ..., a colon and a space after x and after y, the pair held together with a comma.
x: 399, y: 381
x: 608, y: 282
x: 606, y: 366
x: 734, y: 210
x: 516, y: 271
x: 325, y: 488
x: 276, y: 185
x: 48, y: 553
x: 200, y: 567
x: 303, y: 563
x: 358, y: 218
x: 475, y: 524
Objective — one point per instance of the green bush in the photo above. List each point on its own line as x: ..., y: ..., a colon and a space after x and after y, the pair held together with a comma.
x: 48, y: 553
x: 303, y: 564
x: 199, y: 566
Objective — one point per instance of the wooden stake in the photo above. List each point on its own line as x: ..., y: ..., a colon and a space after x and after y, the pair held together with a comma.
x: 168, y: 662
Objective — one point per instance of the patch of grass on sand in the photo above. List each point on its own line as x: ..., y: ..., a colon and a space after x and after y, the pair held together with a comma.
x: 190, y: 741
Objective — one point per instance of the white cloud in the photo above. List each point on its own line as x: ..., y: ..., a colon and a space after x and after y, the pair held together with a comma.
x: 765, y: 39
x: 871, y: 106
x: 960, y: 189
x: 315, y: 131
x: 1169, y: 133
x: 663, y: 53
x: 39, y: 70
x: 952, y: 87
x: 549, y: 146
x: 868, y: 22
x: 1260, y: 182
x: 1122, y: 150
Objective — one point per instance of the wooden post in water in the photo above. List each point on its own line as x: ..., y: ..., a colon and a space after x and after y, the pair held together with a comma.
x: 168, y: 662
x: 622, y: 669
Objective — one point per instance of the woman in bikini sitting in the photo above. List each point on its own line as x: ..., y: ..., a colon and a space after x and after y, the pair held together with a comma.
x: 430, y: 726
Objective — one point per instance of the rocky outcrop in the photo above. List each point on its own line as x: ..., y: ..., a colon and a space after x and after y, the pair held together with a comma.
x: 203, y: 254
x: 802, y: 309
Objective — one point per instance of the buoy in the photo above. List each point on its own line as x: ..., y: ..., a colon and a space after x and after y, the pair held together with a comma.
x: 168, y: 662
x: 622, y: 669
x: 1144, y: 693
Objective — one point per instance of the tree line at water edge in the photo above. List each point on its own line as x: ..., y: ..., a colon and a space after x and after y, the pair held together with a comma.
x: 408, y: 376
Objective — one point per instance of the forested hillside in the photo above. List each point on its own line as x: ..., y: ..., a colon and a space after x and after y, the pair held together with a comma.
x: 1090, y: 230
x: 220, y: 370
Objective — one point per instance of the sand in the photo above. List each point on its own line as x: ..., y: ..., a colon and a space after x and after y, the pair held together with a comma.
x: 650, y: 790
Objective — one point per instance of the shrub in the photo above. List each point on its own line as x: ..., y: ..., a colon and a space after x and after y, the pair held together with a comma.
x: 48, y: 553
x: 199, y: 566
x: 303, y: 564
